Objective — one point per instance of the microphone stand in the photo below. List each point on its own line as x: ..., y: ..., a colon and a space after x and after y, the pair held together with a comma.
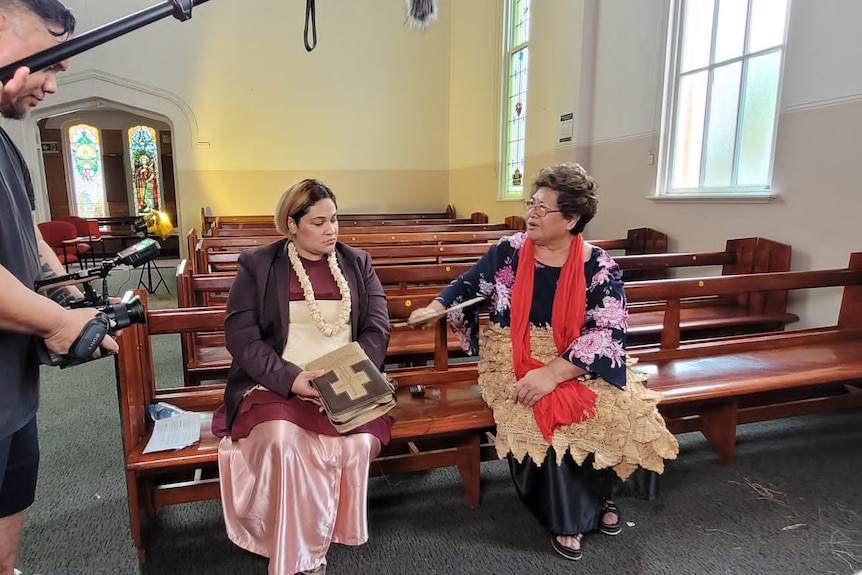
x: 179, y: 9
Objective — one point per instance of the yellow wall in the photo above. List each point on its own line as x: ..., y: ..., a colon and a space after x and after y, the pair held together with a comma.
x: 366, y: 111
x: 256, y: 192
x: 475, y: 95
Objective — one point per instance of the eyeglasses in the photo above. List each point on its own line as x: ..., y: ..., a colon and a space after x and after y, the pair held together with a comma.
x: 540, y: 209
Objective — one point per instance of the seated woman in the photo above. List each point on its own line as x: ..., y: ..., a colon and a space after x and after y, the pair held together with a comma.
x: 572, y: 418
x: 290, y: 483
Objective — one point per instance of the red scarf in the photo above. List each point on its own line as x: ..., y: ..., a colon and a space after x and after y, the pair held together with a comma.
x: 571, y: 401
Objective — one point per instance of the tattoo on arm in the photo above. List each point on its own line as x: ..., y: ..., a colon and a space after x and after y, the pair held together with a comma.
x: 61, y: 294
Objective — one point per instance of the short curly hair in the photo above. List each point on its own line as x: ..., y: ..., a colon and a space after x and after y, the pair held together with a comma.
x: 576, y: 191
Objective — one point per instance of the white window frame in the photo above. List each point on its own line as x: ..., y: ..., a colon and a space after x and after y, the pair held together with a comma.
x: 670, y: 108
x: 506, y: 190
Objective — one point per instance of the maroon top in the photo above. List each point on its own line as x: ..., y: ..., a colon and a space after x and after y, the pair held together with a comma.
x: 263, y: 405
x: 321, y: 278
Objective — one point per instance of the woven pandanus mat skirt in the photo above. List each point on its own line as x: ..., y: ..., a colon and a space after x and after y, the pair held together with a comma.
x: 627, y: 430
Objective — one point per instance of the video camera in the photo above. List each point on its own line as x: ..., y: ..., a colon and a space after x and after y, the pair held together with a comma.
x: 127, y: 312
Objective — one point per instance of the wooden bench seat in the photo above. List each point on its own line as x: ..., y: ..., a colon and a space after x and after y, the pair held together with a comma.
x: 409, y: 287
x: 706, y: 321
x: 812, y: 373
x: 713, y: 385
x: 709, y: 385
x: 205, y: 357
x: 448, y: 427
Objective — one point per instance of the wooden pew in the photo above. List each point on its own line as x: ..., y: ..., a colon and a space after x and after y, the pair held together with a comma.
x: 714, y: 385
x: 207, y: 247
x: 409, y: 287
x: 709, y: 386
x: 370, y: 229
x: 207, y: 220
x: 205, y: 357
x: 214, y: 254
x: 740, y: 255
x: 446, y: 429
x: 223, y: 225
x: 714, y: 315
x: 210, y: 245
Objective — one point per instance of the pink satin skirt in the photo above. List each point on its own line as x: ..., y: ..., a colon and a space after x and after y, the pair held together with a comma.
x: 288, y: 493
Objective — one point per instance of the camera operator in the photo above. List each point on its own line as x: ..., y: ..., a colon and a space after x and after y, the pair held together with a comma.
x: 26, y: 27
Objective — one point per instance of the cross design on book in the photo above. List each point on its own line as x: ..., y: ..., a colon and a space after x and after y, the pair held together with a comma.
x: 351, y: 382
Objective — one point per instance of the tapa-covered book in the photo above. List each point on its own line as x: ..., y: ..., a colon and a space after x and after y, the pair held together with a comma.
x: 353, y: 390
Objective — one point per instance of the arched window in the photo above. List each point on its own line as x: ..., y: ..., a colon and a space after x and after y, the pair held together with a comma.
x: 145, y: 168
x: 88, y: 182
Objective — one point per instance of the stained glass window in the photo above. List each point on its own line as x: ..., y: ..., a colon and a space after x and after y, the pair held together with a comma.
x: 145, y: 168
x: 88, y: 183
x: 515, y: 88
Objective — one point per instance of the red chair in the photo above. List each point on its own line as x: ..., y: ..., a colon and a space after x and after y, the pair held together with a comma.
x: 62, y: 238
x: 85, y: 240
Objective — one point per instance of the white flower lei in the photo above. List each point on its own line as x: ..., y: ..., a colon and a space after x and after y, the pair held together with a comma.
x: 308, y: 291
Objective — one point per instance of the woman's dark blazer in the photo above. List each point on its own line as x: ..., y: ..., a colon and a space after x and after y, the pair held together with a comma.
x: 258, y: 318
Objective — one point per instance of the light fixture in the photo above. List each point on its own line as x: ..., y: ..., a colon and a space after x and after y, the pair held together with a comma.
x: 158, y: 223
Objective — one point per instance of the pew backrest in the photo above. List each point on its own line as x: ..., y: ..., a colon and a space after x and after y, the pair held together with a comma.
x: 675, y: 291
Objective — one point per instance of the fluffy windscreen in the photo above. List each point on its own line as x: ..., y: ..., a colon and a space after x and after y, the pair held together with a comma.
x: 421, y: 13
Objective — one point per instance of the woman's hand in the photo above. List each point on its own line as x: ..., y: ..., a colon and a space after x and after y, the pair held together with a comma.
x: 423, y: 312
x: 302, y: 387
x: 534, y: 386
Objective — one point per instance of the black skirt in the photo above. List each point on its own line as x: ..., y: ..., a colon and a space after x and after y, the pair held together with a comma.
x: 567, y: 498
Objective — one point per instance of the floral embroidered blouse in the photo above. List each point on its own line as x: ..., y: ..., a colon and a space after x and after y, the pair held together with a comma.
x: 600, y: 349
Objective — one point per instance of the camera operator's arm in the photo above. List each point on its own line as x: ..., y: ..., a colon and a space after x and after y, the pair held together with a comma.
x: 25, y: 311
x: 51, y: 268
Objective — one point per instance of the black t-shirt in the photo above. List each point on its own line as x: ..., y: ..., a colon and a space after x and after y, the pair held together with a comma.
x: 19, y: 370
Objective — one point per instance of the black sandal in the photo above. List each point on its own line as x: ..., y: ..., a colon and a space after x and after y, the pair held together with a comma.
x: 568, y: 552
x: 616, y: 528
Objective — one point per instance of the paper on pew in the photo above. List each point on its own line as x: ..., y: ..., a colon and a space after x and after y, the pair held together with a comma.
x: 175, y: 432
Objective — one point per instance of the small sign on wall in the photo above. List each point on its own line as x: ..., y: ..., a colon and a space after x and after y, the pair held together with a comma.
x: 50, y: 147
x: 567, y: 122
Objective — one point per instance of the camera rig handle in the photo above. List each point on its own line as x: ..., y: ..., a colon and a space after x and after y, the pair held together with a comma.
x: 135, y: 256
x: 82, y: 348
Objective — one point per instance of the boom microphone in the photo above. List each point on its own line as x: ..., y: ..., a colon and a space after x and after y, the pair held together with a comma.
x: 421, y: 13
x: 179, y: 9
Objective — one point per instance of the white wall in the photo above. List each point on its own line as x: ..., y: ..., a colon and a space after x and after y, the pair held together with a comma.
x: 629, y: 66
x: 823, y: 53
x: 816, y: 175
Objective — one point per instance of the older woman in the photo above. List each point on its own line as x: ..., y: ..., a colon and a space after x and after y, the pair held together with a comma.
x: 573, y: 420
x: 291, y: 484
